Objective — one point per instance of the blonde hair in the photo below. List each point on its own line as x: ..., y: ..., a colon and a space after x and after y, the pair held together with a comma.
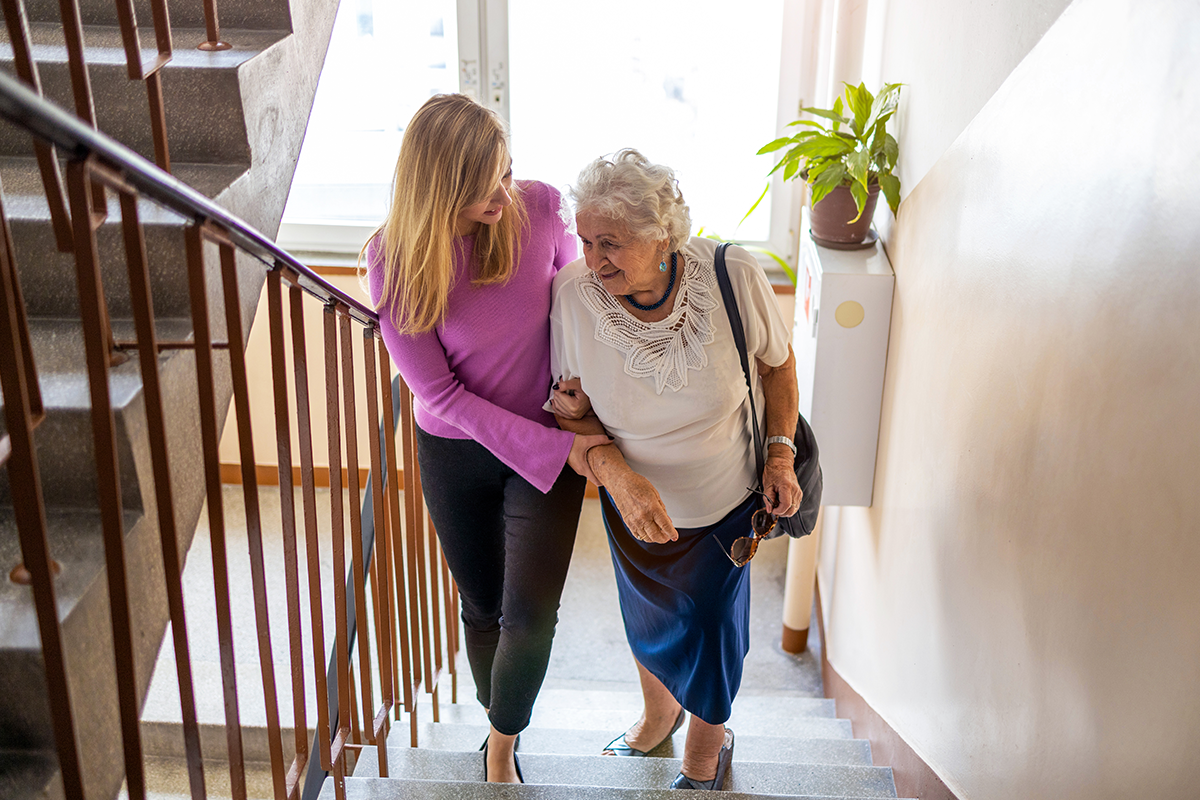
x: 454, y: 153
x: 644, y: 196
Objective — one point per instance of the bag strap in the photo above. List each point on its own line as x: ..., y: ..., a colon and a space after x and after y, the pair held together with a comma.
x: 739, y: 338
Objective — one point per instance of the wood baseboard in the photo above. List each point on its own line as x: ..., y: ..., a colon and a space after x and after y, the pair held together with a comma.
x: 914, y: 777
x: 268, y: 475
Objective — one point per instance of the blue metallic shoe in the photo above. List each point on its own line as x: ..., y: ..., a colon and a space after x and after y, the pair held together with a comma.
x: 619, y: 747
x: 717, y: 783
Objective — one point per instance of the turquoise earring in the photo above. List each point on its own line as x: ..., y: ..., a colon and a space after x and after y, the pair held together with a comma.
x: 662, y: 264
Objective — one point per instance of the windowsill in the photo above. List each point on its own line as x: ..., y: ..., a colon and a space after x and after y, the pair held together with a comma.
x: 338, y: 245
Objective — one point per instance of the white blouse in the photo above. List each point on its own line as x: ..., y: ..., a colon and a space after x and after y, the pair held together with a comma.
x: 672, y: 393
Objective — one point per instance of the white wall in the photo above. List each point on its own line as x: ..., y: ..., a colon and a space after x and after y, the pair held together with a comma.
x: 1021, y: 601
x: 952, y: 55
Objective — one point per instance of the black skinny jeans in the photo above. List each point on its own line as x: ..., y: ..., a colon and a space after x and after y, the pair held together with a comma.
x: 508, y: 546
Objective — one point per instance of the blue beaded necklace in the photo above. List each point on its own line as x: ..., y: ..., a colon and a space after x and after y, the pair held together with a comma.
x: 670, y: 286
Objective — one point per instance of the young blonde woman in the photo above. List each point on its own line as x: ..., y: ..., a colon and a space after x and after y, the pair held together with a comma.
x: 461, y: 272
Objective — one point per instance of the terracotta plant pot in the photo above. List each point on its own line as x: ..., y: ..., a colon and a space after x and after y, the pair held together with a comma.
x: 831, y: 217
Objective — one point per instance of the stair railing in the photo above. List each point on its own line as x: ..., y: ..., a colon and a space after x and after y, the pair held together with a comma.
x: 412, y: 635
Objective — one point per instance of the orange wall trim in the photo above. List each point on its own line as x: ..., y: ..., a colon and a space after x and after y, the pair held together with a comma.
x: 268, y: 475
x: 914, y: 777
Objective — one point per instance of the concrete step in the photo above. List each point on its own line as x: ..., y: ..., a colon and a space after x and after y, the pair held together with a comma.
x: 644, y: 773
x: 393, y: 789
x: 167, y: 779
x: 566, y: 741
x: 64, y: 439
x: 255, y: 14
x: 48, y: 276
x: 582, y: 699
x: 201, y: 91
x: 28, y: 774
x: 788, y: 717
x: 75, y: 540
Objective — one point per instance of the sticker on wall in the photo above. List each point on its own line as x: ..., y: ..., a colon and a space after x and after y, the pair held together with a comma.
x: 849, y: 314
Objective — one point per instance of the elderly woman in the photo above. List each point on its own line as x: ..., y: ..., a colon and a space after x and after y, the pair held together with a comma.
x: 639, y: 330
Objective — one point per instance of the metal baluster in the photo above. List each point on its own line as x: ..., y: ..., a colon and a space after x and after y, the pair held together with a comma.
x: 210, y: 439
x: 143, y: 313
x: 241, y: 404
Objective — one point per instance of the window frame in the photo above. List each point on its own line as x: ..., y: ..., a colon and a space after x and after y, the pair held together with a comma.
x: 483, y: 40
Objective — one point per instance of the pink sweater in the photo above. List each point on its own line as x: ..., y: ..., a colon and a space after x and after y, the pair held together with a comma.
x: 484, y: 373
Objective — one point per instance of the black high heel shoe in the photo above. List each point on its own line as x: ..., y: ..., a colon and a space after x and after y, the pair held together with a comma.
x: 723, y: 761
x: 516, y: 762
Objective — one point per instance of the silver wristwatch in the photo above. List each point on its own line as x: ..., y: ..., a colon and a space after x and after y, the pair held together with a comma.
x: 780, y: 440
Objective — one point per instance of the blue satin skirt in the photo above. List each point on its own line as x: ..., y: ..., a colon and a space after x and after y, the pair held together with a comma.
x: 686, y: 607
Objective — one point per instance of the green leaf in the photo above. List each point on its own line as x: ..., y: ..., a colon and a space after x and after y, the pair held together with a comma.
x: 837, y: 109
x: 859, y: 100
x: 891, y: 150
x: 819, y: 192
x: 830, y: 177
x: 775, y: 145
x: 819, y: 146
x: 835, y: 115
x: 788, y: 157
x: 860, y: 198
x: 817, y: 166
x: 857, y: 164
x: 890, y: 185
x: 766, y: 189
x: 791, y: 170
x: 883, y: 108
x: 783, y: 265
x: 809, y: 122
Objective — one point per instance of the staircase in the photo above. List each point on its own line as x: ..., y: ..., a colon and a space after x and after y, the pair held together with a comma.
x: 235, y: 122
x: 786, y: 747
x: 789, y: 741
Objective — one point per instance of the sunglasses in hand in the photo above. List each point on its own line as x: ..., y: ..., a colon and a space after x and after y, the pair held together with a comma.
x: 744, y: 547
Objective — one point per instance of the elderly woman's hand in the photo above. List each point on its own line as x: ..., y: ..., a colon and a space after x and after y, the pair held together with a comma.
x: 781, y: 489
x: 642, y: 509
x: 569, y: 401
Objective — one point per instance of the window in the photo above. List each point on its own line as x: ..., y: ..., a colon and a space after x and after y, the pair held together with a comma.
x: 697, y: 86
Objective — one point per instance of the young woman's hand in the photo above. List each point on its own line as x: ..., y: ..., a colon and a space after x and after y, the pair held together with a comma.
x: 569, y: 401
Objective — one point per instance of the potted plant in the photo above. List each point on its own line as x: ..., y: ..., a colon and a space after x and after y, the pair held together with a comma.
x: 845, y: 169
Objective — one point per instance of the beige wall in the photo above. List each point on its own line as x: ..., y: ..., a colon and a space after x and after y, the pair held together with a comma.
x: 262, y: 401
x: 1020, y: 603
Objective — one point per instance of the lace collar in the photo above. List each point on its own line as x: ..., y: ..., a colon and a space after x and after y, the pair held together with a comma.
x: 667, y: 349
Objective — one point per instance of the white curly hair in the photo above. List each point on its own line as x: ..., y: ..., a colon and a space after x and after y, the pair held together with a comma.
x: 642, y: 195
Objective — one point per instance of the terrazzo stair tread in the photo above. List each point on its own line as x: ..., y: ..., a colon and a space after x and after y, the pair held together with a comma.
x: 25, y: 195
x: 234, y: 14
x: 76, y: 543
x: 103, y: 44
x: 752, y: 777
x: 201, y: 90
x: 466, y: 687
x: 64, y: 437
x: 559, y: 741
x: 765, y: 722
x: 48, y: 276
x: 29, y: 774
x: 394, y: 789
x: 575, y: 700
x: 167, y: 779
